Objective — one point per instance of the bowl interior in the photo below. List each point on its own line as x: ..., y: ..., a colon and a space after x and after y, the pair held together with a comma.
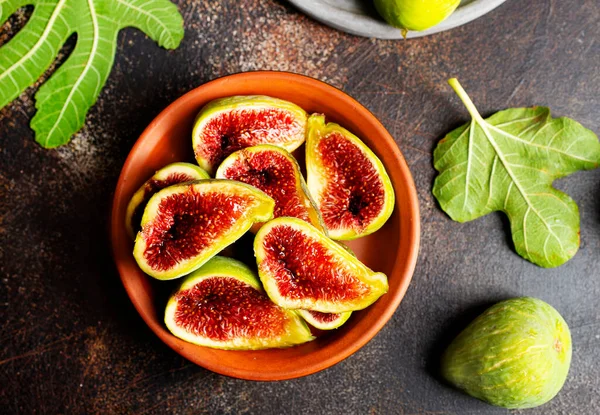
x: 392, y: 250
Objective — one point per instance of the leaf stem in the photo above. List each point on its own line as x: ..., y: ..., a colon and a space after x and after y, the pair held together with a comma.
x: 462, y: 94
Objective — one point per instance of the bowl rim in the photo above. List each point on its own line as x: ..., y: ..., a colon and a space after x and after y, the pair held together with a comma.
x: 409, y: 258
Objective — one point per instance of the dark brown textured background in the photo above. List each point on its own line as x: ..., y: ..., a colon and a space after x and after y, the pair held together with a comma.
x: 70, y: 340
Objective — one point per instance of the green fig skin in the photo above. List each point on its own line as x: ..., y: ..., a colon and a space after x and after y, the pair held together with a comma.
x: 319, y: 179
x: 297, y: 332
x: 247, y: 135
x: 515, y: 355
x: 415, y: 15
x: 259, y: 209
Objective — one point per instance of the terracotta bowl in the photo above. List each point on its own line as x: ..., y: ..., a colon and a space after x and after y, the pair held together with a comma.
x: 392, y: 250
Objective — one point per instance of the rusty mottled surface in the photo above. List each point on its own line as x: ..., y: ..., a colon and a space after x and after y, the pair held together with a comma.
x: 71, y: 342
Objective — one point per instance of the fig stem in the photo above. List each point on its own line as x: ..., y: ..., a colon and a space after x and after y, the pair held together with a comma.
x: 464, y: 97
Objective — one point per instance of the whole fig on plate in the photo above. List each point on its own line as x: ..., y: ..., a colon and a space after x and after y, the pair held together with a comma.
x: 222, y: 305
x: 515, y: 355
x: 229, y: 124
x: 347, y: 181
x: 301, y: 268
x: 415, y: 14
x: 186, y: 224
x: 167, y: 176
x: 276, y: 172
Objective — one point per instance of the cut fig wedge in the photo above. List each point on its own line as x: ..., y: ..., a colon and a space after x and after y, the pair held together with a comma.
x: 229, y: 124
x: 324, y: 321
x: 347, y: 181
x: 301, y: 268
x: 327, y: 321
x: 186, y: 224
x: 276, y: 172
x: 222, y: 305
x: 165, y: 177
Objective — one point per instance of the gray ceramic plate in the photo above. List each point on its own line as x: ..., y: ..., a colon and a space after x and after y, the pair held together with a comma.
x: 359, y: 17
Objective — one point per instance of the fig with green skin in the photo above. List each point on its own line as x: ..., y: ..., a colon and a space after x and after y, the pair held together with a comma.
x: 415, y: 14
x: 324, y: 321
x: 276, y: 172
x: 222, y: 305
x: 167, y: 176
x: 347, y: 181
x: 229, y: 124
x: 515, y: 355
x: 186, y: 224
x: 301, y: 268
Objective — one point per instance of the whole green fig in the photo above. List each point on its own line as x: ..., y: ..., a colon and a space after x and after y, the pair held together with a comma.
x: 415, y: 14
x: 515, y: 355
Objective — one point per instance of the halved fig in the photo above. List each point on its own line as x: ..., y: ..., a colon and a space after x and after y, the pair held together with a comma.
x: 301, y: 268
x: 222, y: 305
x: 327, y: 321
x: 276, y: 172
x: 229, y: 124
x: 324, y: 321
x: 347, y: 181
x: 167, y: 176
x: 186, y: 224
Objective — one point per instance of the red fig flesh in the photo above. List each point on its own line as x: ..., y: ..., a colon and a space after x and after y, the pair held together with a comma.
x: 276, y: 172
x: 222, y: 305
x: 167, y: 176
x: 324, y: 321
x: 301, y: 268
x: 187, y: 224
x: 230, y: 124
x: 347, y: 181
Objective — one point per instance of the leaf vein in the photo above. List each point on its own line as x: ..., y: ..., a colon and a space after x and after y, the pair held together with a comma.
x: 458, y: 176
x: 504, y: 133
x: 40, y: 42
x: 81, y: 76
x: 491, y: 180
x: 449, y: 149
x: 149, y: 16
x: 538, y: 131
x: 469, y: 154
x: 515, y: 181
x: 518, y: 120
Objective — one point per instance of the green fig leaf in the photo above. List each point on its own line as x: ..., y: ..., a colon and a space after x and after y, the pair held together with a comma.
x: 507, y: 163
x: 64, y: 100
